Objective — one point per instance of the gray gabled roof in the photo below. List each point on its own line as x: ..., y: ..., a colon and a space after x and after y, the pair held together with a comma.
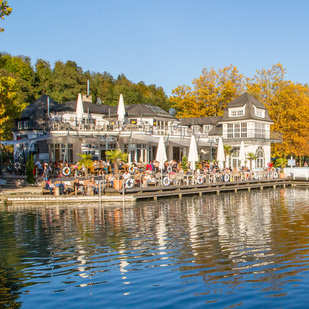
x: 213, y: 120
x: 93, y: 108
x: 249, y: 102
x: 145, y: 110
x: 38, y: 108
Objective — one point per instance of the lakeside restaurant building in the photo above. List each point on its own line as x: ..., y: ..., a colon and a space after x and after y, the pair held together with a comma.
x: 58, y: 132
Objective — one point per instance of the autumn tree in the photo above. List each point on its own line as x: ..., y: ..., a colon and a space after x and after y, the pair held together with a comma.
x: 9, y: 110
x: 210, y: 94
x: 288, y: 106
x: 5, y: 10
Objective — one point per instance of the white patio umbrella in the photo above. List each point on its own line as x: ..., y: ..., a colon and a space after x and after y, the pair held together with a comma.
x: 242, y: 155
x: 161, y: 154
x: 121, y: 109
x: 220, y: 153
x: 193, y: 155
x: 79, y: 107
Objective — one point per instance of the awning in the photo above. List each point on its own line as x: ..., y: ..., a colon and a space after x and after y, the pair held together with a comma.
x: 26, y: 140
x: 145, y: 138
x: 179, y: 141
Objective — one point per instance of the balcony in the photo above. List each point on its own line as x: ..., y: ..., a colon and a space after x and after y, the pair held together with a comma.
x: 257, y: 135
x: 102, y: 128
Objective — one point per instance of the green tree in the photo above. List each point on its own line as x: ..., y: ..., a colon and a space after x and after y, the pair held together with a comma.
x: 115, y: 156
x: 67, y: 81
x: 21, y: 70
x: 43, y: 77
x: 5, y: 10
x: 29, y: 170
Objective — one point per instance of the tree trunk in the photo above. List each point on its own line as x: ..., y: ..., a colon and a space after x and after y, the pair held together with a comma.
x: 116, y: 167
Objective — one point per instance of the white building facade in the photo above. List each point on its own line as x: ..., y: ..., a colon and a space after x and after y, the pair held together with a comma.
x: 80, y: 126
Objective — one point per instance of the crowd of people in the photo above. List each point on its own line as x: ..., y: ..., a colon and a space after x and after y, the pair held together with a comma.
x: 141, y: 173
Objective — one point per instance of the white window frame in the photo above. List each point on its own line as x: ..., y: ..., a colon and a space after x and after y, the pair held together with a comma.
x: 206, y: 128
x: 236, y: 112
x: 20, y: 125
x: 26, y: 124
x: 259, y: 112
x: 237, y: 130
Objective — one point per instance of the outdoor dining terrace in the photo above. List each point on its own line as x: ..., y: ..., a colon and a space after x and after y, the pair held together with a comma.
x: 103, y: 127
x: 146, y: 181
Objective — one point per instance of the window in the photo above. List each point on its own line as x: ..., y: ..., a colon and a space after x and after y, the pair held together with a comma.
x: 20, y: 125
x: 57, y: 152
x: 206, y: 128
x: 236, y: 112
x: 237, y: 130
x: 230, y: 130
x: 243, y: 129
x: 260, y: 130
x: 260, y: 161
x: 260, y: 112
x: 26, y: 124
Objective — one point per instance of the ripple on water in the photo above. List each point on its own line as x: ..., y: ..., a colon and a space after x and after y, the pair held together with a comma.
x: 227, y: 251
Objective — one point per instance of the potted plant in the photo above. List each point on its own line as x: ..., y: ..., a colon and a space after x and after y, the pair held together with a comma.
x: 282, y: 163
x: 85, y: 162
x: 251, y: 156
x: 115, y: 156
x: 227, y: 151
x: 184, y: 164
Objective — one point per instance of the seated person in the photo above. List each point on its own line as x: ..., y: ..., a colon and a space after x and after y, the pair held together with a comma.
x: 49, y: 186
x: 94, y: 186
x: 126, y: 175
x: 149, y: 178
x: 110, y: 179
x: 78, y: 186
x: 61, y: 187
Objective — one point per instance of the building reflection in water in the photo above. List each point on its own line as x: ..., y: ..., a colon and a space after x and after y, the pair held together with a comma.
x: 212, y: 237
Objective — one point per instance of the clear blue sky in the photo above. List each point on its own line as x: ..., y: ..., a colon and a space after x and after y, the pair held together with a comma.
x: 162, y: 42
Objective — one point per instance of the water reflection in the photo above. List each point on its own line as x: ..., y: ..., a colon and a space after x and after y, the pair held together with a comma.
x: 228, y: 249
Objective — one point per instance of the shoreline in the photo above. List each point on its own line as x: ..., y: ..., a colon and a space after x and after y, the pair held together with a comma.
x: 31, y: 194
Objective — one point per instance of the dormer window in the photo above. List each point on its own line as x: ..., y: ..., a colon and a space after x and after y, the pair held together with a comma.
x: 20, y: 125
x: 26, y: 124
x: 259, y: 112
x: 206, y: 128
x: 237, y: 112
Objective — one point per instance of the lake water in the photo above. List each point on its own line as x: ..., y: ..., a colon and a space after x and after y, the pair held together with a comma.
x: 248, y: 249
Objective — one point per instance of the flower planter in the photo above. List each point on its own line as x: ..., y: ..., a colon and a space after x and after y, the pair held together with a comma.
x: 118, y: 184
x: 282, y: 175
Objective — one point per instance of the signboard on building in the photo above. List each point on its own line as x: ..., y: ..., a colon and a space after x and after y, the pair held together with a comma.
x: 291, y: 162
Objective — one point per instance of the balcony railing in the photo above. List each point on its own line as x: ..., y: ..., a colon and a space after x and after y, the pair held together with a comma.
x: 174, y: 130
x: 254, y: 134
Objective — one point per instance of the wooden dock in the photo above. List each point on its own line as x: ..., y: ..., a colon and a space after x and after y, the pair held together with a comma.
x: 130, y: 196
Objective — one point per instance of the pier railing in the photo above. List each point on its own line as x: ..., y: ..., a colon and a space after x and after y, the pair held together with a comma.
x: 177, y: 180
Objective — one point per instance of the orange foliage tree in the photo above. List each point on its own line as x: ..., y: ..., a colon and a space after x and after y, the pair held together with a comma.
x: 288, y: 105
x: 211, y: 93
x: 286, y: 101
